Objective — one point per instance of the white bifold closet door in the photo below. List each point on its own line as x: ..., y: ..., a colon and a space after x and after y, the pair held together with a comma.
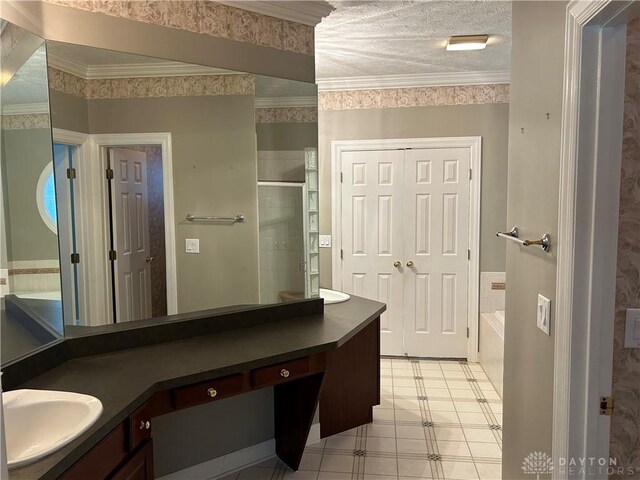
x: 405, y: 220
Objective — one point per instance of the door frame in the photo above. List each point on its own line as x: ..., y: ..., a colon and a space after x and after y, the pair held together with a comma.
x: 93, y: 209
x: 474, y: 144
x: 591, y: 145
x: 102, y: 141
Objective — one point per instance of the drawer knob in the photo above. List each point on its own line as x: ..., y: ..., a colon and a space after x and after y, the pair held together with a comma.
x: 144, y: 425
x: 212, y: 392
x: 284, y: 373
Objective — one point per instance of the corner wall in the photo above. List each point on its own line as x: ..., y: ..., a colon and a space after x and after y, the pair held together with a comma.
x: 537, y: 65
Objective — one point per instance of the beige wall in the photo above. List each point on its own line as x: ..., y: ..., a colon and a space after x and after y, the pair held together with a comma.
x: 625, y: 423
x: 69, y: 112
x: 287, y: 136
x: 25, y: 154
x: 534, y: 162
x: 489, y: 121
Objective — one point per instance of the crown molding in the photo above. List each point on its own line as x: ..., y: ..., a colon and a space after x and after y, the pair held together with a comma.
x: 307, y: 12
x: 25, y: 108
x: 278, y: 102
x: 411, y: 81
x: 133, y: 70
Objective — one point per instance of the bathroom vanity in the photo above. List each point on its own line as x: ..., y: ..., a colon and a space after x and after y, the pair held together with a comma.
x: 311, y: 354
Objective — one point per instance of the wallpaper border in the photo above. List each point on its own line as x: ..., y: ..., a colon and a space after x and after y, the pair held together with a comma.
x: 413, y: 97
x: 208, y: 18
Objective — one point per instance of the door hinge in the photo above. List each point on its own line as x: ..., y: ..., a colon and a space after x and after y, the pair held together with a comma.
x: 113, y: 255
x: 75, y: 258
x: 467, y: 332
x: 468, y: 254
x: 341, y: 177
x: 341, y: 254
x: 71, y: 173
x: 470, y: 174
x: 109, y: 174
x: 606, y: 406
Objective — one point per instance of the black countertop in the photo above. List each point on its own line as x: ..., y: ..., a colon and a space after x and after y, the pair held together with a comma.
x: 124, y: 380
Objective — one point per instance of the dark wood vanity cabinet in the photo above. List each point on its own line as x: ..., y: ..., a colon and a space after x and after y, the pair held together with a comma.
x: 345, y: 382
x: 139, y: 466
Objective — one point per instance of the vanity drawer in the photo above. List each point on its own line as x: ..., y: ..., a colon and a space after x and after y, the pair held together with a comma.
x: 139, y: 426
x: 207, y: 391
x: 282, y: 372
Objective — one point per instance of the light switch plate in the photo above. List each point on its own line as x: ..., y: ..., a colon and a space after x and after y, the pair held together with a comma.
x: 325, y: 241
x: 632, y: 328
x: 192, y: 245
x: 543, y: 314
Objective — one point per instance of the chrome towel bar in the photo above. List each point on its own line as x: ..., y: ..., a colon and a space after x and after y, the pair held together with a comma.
x: 239, y: 218
x: 544, y: 242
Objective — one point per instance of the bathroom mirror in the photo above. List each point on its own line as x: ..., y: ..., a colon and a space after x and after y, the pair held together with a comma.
x: 31, y: 308
x: 186, y: 187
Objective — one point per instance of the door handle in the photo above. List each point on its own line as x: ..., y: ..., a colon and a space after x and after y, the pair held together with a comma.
x: 397, y: 264
x: 409, y: 264
x: 149, y: 259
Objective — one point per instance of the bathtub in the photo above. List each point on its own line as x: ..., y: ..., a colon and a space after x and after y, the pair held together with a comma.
x: 492, y: 347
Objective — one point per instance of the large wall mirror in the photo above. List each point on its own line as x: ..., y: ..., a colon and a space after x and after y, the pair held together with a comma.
x: 31, y: 308
x: 178, y: 188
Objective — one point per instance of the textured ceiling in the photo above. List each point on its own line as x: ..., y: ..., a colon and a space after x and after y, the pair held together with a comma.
x: 372, y: 38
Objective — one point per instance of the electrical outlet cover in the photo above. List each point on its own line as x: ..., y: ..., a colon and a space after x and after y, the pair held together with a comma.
x: 632, y: 328
x: 543, y: 314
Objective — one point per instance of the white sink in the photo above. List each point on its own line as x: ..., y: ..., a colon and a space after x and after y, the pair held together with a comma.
x: 39, y: 422
x: 331, y: 296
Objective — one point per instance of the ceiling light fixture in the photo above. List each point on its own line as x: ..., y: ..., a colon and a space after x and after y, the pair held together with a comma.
x: 467, y: 42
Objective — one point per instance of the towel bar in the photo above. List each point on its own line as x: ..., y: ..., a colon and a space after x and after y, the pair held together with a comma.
x: 544, y: 242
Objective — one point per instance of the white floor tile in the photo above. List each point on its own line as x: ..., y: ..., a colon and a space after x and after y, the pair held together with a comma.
x: 455, y: 434
x: 444, y: 417
x: 377, y: 430
x: 410, y: 431
x: 411, y: 445
x: 384, y: 414
x: 310, y: 461
x: 485, y: 450
x: 453, y: 449
x: 381, y: 465
x: 470, y: 407
x: 462, y: 394
x: 442, y: 406
x: 467, y: 418
x: 334, y: 476
x: 459, y: 470
x: 479, y: 435
x: 489, y: 471
x: 404, y: 382
x: 414, y: 468
x: 381, y: 445
x: 336, y: 463
x: 408, y: 415
x: 433, y: 392
x: 347, y: 443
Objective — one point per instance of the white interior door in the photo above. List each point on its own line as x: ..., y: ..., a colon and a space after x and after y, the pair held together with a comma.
x: 131, y: 234
x: 436, y: 241
x: 372, y: 235
x: 405, y: 237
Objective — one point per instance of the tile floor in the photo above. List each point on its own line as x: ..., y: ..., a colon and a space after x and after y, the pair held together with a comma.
x: 436, y: 420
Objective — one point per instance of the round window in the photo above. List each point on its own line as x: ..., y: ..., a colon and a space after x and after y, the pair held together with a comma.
x: 46, y: 198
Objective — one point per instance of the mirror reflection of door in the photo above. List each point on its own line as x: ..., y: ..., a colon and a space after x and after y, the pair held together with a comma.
x: 65, y: 175
x: 129, y: 213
